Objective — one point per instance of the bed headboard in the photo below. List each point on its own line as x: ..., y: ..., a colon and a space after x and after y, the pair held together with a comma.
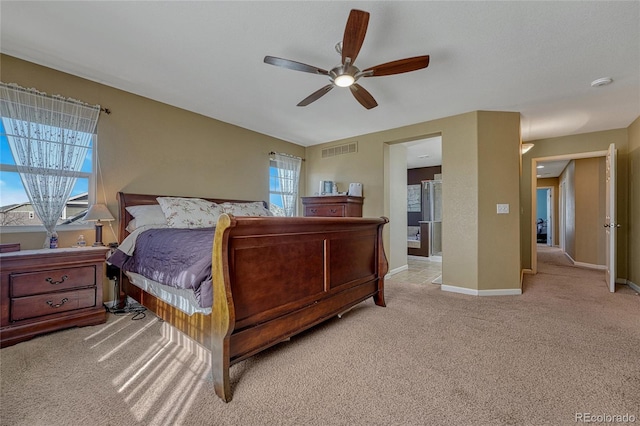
x: 125, y: 200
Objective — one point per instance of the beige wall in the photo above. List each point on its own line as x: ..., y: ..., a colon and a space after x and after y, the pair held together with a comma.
x: 498, y: 183
x: 633, y: 227
x: 468, y: 204
x: 568, y: 146
x: 146, y: 146
x: 396, y: 203
x: 590, y: 180
x: 150, y: 147
x: 568, y: 180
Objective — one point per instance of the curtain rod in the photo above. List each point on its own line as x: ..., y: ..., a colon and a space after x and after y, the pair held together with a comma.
x: 286, y: 155
x: 33, y: 91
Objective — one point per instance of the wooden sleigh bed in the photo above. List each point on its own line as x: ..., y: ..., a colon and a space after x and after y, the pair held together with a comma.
x: 273, y: 277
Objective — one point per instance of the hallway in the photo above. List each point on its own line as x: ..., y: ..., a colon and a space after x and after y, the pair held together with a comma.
x: 556, y: 269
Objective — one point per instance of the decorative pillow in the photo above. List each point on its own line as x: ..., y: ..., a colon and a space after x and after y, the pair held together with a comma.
x: 190, y: 212
x: 145, y: 215
x: 255, y: 208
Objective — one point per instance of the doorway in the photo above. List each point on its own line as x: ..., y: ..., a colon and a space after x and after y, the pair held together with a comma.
x: 396, y: 168
x: 567, y: 231
x: 545, y: 216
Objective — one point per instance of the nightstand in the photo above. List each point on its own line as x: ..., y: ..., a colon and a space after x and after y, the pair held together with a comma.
x: 50, y: 289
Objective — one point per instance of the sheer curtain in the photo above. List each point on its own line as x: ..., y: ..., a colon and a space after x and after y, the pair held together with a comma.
x: 49, y: 137
x: 288, y: 178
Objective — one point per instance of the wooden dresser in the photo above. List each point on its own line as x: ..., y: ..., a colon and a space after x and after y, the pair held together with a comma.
x: 333, y: 206
x: 50, y: 289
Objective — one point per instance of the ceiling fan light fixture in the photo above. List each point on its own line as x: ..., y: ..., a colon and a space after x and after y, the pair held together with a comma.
x: 344, y: 80
x: 345, y: 74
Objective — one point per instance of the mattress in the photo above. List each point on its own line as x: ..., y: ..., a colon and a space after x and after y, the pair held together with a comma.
x: 182, y: 299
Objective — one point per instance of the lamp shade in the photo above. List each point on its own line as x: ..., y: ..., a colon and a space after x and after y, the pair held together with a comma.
x: 98, y: 212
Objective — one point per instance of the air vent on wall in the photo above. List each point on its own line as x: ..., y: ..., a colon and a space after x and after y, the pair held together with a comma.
x: 340, y: 149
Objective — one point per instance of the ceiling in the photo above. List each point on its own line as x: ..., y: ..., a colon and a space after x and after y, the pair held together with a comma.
x: 537, y: 58
x: 551, y: 168
x: 424, y: 152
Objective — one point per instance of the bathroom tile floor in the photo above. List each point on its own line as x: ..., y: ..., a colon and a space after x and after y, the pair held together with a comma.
x: 422, y: 270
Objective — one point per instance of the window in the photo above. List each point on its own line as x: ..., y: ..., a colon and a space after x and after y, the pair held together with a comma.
x: 275, y: 193
x: 284, y: 175
x: 16, y: 211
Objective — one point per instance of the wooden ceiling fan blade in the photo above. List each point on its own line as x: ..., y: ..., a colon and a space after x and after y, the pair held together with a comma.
x: 316, y: 95
x: 293, y: 65
x: 354, y: 34
x: 398, y: 67
x: 362, y: 96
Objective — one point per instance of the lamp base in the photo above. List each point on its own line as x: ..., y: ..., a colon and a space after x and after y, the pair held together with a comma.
x: 98, y: 242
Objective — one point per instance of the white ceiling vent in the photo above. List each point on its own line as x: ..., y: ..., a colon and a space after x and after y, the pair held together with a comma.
x: 340, y: 149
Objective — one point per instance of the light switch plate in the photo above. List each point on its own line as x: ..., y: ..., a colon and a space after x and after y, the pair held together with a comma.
x: 503, y: 208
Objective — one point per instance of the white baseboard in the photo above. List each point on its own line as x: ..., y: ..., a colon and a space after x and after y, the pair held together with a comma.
x: 633, y: 285
x: 590, y: 266
x: 473, y: 292
x: 585, y: 265
x: 569, y: 257
x: 396, y: 270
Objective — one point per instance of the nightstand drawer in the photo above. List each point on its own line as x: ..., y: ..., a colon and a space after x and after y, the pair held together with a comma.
x: 45, y: 290
x: 25, y: 284
x: 52, y: 303
x: 329, y: 210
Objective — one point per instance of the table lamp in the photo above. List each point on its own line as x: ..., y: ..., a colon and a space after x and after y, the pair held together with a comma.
x: 98, y: 213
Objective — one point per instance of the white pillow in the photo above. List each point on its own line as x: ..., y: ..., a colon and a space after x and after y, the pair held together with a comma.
x: 255, y: 208
x: 145, y: 215
x: 190, y: 212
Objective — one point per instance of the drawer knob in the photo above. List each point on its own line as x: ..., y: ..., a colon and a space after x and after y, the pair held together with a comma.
x: 57, y: 305
x: 52, y: 282
x: 334, y: 210
x: 314, y: 210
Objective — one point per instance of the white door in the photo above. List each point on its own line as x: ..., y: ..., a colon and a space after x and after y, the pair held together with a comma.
x: 611, y: 225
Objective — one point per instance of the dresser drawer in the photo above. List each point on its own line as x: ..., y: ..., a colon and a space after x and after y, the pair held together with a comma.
x: 52, y: 303
x: 25, y: 284
x: 330, y: 210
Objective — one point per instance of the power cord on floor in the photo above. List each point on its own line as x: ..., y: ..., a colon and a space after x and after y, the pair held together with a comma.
x: 129, y: 307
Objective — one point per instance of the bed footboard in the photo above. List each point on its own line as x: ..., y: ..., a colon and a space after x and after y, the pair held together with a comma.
x: 275, y: 277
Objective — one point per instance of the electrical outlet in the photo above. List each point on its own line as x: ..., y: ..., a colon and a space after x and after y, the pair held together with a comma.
x: 503, y: 208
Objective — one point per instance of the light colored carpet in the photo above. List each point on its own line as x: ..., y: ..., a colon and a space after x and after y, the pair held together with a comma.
x: 565, y: 346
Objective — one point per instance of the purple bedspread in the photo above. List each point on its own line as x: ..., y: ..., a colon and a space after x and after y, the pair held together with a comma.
x: 180, y: 258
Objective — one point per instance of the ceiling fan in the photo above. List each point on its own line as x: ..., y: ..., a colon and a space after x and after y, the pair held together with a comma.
x: 347, y: 74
